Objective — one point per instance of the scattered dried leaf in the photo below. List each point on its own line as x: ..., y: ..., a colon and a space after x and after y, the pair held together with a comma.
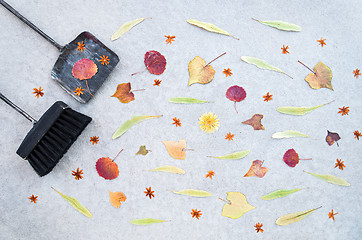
x: 116, y: 198
x: 176, y: 149
x: 155, y: 62
x: 291, y: 158
x: 321, y: 77
x: 237, y: 205
x: 235, y: 94
x: 38, y: 92
x: 84, y: 69
x: 107, y: 168
x: 256, y: 169
x: 255, y: 122
x: 332, y: 137
x: 123, y: 93
x: 199, y: 73
x: 143, y: 151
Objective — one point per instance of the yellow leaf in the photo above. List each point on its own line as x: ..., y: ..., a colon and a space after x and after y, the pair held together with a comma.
x: 199, y: 73
x: 193, y: 193
x: 126, y: 27
x: 176, y: 149
x: 169, y: 169
x: 116, y: 198
x: 322, y: 77
x: 293, y: 217
x: 237, y: 207
x: 209, y: 27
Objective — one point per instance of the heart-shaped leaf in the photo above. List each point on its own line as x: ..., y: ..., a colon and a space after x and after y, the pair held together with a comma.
x: 123, y: 93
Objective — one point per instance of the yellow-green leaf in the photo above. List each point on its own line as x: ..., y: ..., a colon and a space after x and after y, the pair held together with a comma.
x: 234, y: 156
x: 209, y: 27
x: 294, y: 217
x: 169, y: 169
x: 262, y: 64
x: 146, y: 221
x: 289, y: 134
x: 126, y: 27
x: 285, y: 26
x: 186, y: 100
x: 237, y: 206
x: 279, y: 194
x: 129, y: 123
x: 193, y: 193
x: 75, y: 203
x: 299, y: 110
x: 331, y: 179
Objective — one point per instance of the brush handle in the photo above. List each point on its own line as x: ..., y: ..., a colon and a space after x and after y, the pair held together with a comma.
x: 27, y: 22
x: 27, y: 116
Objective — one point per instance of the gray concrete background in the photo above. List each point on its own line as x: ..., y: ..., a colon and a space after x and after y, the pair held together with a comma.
x: 26, y: 62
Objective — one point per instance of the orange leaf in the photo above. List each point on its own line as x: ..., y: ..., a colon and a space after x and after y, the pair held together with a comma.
x: 255, y: 122
x: 84, y: 69
x: 116, y: 198
x: 176, y: 149
x: 256, y: 169
x: 106, y: 168
x: 123, y: 93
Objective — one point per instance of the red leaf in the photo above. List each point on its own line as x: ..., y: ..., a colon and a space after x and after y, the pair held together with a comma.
x: 106, y: 168
x: 236, y: 93
x: 155, y: 62
x: 291, y: 158
x: 84, y: 69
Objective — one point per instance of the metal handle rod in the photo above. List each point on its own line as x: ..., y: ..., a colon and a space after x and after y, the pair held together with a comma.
x: 27, y: 22
x: 22, y: 112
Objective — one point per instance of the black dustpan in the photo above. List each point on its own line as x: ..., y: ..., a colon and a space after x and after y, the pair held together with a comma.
x: 69, y: 55
x: 51, y: 136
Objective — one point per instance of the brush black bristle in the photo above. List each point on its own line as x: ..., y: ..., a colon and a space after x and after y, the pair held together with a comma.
x: 52, y: 136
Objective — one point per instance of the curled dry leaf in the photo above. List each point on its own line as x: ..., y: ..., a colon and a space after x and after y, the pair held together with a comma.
x: 321, y: 77
x: 237, y: 206
x: 256, y: 169
x: 142, y: 151
x: 255, y: 122
x: 123, y: 93
x: 116, y: 198
x: 176, y: 149
x: 235, y: 94
x: 332, y: 137
x: 155, y: 62
x: 199, y: 73
x: 84, y: 69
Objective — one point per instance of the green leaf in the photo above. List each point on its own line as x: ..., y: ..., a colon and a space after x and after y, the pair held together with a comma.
x: 299, y: 110
x: 294, y: 217
x: 186, y: 100
x: 209, y: 27
x: 193, y: 193
x: 169, y: 169
x: 279, y: 194
x: 285, y: 26
x: 146, y: 221
x: 234, y: 156
x: 129, y: 123
x: 75, y: 203
x: 262, y: 64
x: 126, y: 27
x: 289, y: 134
x: 331, y: 179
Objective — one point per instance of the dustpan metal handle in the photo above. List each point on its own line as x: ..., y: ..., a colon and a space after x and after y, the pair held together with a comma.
x: 27, y: 22
x: 22, y: 112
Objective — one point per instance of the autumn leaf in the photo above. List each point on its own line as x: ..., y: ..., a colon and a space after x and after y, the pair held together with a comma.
x: 237, y: 206
x: 294, y: 217
x: 168, y: 169
x: 176, y: 149
x: 289, y: 134
x: 155, y: 62
x: 123, y: 93
x: 116, y: 198
x: 199, y: 73
x: 235, y: 94
x: 262, y: 64
x: 146, y: 221
x: 209, y: 27
x: 299, y: 110
x: 255, y: 122
x: 330, y: 179
x: 332, y: 137
x: 281, y: 25
x: 107, y: 168
x: 84, y: 69
x: 256, y: 169
x: 291, y: 158
x: 279, y: 194
x: 143, y: 151
x: 193, y: 193
x: 321, y: 77
x: 126, y: 27
x: 234, y: 155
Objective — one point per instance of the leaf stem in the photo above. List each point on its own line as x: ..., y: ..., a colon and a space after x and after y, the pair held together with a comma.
x: 55, y: 190
x: 117, y: 155
x: 138, y: 72
x: 235, y: 108
x: 224, y: 201
x: 188, y: 149
x: 86, y: 82
x: 255, y: 19
x: 215, y: 59
x: 138, y: 90
x: 288, y: 75
x: 305, y: 159
x: 306, y: 67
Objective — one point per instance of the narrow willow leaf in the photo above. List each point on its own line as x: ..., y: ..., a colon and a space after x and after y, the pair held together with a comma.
x: 169, y: 169
x: 289, y: 134
x: 209, y: 27
x: 193, y: 193
x: 234, y: 156
x: 285, y: 26
x: 126, y: 27
x: 75, y: 203
x: 331, y: 179
x: 262, y: 64
x: 279, y: 194
x: 146, y: 221
x: 299, y: 110
x: 129, y: 123
x: 186, y: 100
x: 294, y: 217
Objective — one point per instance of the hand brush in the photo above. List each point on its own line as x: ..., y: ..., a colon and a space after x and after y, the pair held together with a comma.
x: 51, y: 136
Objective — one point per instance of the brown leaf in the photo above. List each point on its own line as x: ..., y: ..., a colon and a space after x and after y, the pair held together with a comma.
x: 255, y: 122
x: 256, y: 169
x: 116, y: 198
x: 199, y: 73
x: 142, y: 151
x: 176, y: 149
x: 332, y: 137
x: 123, y: 93
x: 322, y: 77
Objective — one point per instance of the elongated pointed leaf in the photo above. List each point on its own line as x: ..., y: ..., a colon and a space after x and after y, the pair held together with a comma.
x: 262, y: 64
x: 75, y: 203
x: 331, y: 179
x: 299, y: 110
x: 169, y: 169
x: 125, y: 28
x: 129, y: 123
x: 186, y: 100
x: 289, y: 134
x: 293, y: 217
x: 234, y: 156
x: 279, y: 194
x: 193, y: 193
x: 285, y: 26
x: 146, y: 221
x: 209, y: 27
